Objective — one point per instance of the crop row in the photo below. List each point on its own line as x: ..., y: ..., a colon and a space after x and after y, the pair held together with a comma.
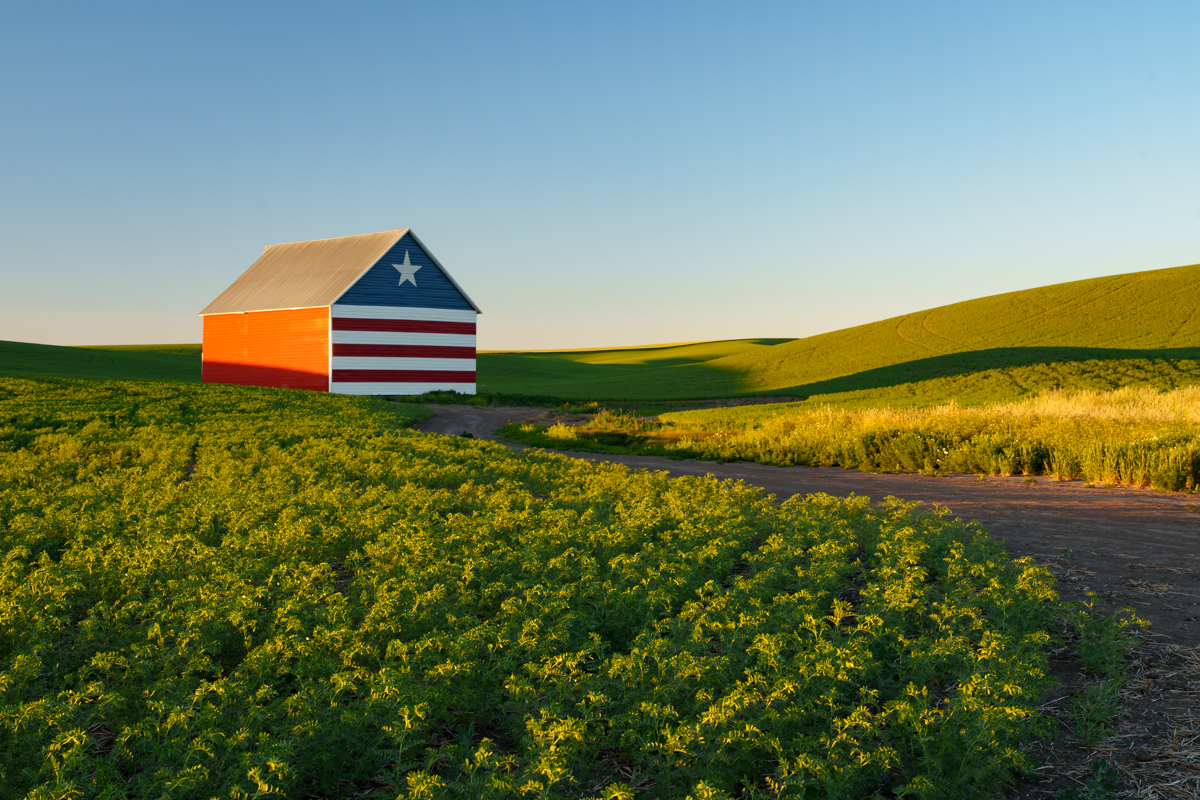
x: 235, y: 592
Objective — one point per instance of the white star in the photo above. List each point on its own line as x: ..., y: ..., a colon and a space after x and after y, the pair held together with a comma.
x: 407, y: 271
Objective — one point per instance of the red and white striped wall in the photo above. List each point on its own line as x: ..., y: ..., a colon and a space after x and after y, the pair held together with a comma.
x: 391, y: 350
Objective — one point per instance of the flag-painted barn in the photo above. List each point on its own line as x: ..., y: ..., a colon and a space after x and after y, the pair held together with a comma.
x: 370, y: 314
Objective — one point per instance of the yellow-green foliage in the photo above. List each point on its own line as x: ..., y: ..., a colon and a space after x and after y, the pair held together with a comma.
x: 1139, y: 437
x: 212, y: 591
x: 560, y: 431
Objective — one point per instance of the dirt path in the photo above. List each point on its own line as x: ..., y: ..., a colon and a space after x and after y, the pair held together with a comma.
x: 1132, y: 547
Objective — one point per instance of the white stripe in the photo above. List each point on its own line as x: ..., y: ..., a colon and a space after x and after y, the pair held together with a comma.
x: 393, y: 312
x: 370, y: 362
x: 396, y: 337
x: 400, y: 388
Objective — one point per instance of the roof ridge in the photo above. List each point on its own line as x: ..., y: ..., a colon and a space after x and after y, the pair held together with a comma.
x: 328, y: 267
x: 399, y: 231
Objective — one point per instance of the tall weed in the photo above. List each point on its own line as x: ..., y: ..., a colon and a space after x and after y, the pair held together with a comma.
x: 1136, y: 437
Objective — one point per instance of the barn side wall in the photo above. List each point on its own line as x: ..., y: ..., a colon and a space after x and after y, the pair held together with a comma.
x: 288, y: 349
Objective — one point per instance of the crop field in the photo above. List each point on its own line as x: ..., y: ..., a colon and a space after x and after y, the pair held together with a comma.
x: 166, y: 362
x: 651, y: 372
x: 1124, y: 330
x: 1136, y: 315
x: 966, y: 382
x: 1135, y: 437
x: 212, y: 591
x: 1091, y: 334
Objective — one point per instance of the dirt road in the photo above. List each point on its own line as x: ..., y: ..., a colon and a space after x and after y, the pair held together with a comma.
x: 1132, y: 547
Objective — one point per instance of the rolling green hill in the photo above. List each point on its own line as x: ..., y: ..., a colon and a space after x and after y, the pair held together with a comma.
x: 163, y: 362
x: 1138, y: 329
x: 648, y: 372
x: 1141, y: 328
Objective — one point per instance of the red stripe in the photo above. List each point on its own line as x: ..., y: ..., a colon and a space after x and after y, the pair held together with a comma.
x: 403, y: 351
x: 259, y: 375
x: 401, y: 376
x: 402, y: 325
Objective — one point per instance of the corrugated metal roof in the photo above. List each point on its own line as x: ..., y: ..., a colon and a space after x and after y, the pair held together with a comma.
x: 303, y: 274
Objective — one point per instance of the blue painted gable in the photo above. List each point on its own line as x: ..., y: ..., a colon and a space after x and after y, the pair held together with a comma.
x: 384, y: 283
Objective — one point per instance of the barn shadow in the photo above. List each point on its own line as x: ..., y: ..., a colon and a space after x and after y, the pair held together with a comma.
x: 261, y: 375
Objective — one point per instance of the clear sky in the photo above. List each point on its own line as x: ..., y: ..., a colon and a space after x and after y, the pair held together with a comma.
x: 593, y: 174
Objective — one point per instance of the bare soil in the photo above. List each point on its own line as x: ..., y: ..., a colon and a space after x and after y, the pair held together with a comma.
x: 1129, y: 546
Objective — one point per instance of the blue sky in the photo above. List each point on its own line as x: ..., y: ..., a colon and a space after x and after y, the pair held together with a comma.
x: 593, y: 174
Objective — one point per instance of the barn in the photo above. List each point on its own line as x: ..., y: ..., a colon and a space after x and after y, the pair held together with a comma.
x: 370, y: 314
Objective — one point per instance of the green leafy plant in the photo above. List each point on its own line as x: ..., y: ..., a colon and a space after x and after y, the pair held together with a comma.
x: 1100, y: 785
x: 239, y: 592
x: 1103, y: 643
x: 1104, y: 639
x: 1093, y: 709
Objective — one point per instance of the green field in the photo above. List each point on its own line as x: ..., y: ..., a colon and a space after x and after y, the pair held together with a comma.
x: 217, y: 591
x: 651, y: 372
x: 1136, y: 329
x: 165, y: 362
x: 992, y: 386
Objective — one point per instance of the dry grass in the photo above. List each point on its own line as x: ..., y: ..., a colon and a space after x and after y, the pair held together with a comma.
x: 1145, y: 405
x: 1153, y: 743
x: 1131, y: 404
x: 1131, y: 436
x: 1180, y: 406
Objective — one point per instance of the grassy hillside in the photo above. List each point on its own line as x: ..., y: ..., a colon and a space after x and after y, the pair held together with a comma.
x: 965, y: 379
x: 1139, y: 329
x: 651, y: 372
x: 1145, y: 312
x: 1087, y: 334
x: 164, y: 362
